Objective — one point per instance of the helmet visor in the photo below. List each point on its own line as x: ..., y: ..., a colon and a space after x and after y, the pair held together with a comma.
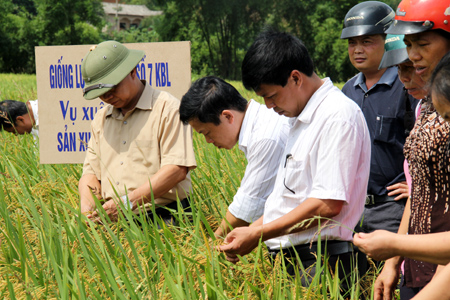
x: 393, y: 58
x: 406, y: 27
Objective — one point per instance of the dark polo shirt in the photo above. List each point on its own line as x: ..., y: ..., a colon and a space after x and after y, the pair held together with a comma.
x: 384, y: 107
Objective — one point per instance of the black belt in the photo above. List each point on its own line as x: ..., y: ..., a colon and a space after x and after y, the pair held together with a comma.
x: 308, y: 252
x: 372, y: 199
x: 163, y: 212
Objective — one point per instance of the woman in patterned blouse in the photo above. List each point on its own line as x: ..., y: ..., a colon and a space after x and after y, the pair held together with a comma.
x: 435, y: 247
x: 425, y: 24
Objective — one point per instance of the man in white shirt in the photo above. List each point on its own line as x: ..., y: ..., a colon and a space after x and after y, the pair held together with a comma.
x: 325, y: 170
x: 215, y: 109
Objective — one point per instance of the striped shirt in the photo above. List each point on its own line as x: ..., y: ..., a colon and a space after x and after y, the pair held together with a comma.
x: 262, y: 139
x: 327, y: 156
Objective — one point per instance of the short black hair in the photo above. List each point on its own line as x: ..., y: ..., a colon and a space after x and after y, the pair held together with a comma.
x: 271, y: 59
x: 439, y: 80
x: 207, y: 98
x: 9, y: 111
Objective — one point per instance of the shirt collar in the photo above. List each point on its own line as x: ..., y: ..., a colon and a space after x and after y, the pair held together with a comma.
x: 388, y: 78
x: 246, y: 128
x: 146, y: 102
x: 314, y: 102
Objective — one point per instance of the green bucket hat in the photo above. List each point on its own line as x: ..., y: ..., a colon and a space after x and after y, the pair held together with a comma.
x: 394, y: 51
x: 105, y: 65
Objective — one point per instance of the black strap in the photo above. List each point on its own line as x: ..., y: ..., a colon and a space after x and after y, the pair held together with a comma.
x: 409, y: 118
x: 98, y: 86
x: 373, y: 199
x: 163, y: 212
x: 308, y: 252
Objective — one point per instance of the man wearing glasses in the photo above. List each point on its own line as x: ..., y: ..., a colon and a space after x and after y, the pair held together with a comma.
x: 139, y: 152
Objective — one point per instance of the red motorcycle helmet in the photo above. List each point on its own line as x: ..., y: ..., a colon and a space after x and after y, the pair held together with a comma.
x: 414, y: 16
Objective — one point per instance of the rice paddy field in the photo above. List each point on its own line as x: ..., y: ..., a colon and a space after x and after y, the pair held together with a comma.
x: 47, y: 251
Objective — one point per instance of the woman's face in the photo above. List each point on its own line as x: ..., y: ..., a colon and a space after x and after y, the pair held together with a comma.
x: 413, y: 83
x: 425, y: 49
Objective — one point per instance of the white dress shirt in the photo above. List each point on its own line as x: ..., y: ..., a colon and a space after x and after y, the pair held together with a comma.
x: 262, y: 139
x: 327, y: 156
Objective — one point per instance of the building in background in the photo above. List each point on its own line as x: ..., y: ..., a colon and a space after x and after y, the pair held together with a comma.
x: 126, y: 16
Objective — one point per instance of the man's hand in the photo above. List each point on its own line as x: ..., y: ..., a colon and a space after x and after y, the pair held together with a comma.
x: 111, y: 210
x: 240, y: 241
x: 379, y: 244
x: 400, y: 188
x: 224, y: 227
x: 88, y: 186
x: 86, y: 208
x: 386, y: 282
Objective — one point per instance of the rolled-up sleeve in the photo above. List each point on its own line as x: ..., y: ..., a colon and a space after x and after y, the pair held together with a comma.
x: 175, y: 139
x: 259, y: 178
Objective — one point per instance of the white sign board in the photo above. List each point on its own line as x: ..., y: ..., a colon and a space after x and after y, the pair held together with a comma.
x: 65, y: 116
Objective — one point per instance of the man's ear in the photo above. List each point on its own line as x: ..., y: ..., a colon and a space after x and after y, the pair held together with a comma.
x: 229, y: 115
x: 297, y: 77
x: 19, y: 120
x: 133, y: 73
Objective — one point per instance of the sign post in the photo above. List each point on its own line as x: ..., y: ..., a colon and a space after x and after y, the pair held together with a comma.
x: 65, y: 116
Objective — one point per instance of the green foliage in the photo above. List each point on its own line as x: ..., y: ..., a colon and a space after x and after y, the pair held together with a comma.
x: 26, y: 24
x: 59, y: 20
x: 318, y: 24
x: 49, y: 250
x: 222, y: 28
x: 220, y: 31
x: 132, y: 35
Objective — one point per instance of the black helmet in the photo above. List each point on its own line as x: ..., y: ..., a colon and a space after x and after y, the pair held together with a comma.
x: 367, y: 18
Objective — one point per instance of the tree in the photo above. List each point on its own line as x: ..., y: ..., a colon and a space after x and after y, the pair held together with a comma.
x: 62, y: 22
x: 222, y: 29
x: 318, y: 24
x: 16, y: 34
x: 25, y: 24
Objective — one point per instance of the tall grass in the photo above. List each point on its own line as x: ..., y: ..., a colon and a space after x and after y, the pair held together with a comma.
x: 49, y: 251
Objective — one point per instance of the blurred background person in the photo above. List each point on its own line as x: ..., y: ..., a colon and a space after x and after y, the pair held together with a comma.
x: 20, y: 117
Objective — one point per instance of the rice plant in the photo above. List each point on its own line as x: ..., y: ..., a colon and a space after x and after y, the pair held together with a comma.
x: 48, y: 250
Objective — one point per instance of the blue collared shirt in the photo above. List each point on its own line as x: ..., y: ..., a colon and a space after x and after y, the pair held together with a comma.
x: 384, y: 106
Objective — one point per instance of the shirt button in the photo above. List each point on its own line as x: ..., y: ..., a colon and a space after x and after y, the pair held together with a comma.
x: 124, y: 142
x: 121, y: 163
x: 125, y: 122
x: 366, y: 95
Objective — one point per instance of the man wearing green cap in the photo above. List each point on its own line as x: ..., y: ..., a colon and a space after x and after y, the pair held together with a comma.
x: 139, y: 149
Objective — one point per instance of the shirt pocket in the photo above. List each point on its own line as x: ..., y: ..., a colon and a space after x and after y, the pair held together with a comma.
x: 292, y: 177
x: 140, y: 156
x: 385, y: 129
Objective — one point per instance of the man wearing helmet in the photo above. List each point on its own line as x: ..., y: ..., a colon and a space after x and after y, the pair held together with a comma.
x: 380, y: 95
x: 139, y: 149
